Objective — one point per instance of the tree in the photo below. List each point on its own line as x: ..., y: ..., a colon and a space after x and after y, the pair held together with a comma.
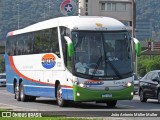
x: 145, y: 64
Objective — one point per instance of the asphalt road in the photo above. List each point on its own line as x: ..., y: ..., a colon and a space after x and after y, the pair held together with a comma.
x: 47, y: 104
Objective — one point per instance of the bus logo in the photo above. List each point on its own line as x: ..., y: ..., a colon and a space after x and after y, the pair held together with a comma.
x: 48, y: 61
x: 68, y: 7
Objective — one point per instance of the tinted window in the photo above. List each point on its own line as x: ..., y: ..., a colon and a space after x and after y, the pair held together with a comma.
x: 44, y: 41
x: 159, y: 74
x: 28, y: 47
x: 65, y: 32
x: 11, y: 45
x: 155, y: 76
x: 149, y: 75
x: 20, y: 46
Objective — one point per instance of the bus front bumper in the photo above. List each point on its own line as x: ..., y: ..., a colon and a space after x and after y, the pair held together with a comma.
x: 84, y: 94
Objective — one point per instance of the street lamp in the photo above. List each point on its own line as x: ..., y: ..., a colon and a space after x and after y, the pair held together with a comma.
x: 49, y: 4
x: 133, y: 30
x: 18, y: 15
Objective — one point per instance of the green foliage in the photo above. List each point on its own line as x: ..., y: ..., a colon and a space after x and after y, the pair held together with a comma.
x: 148, y: 63
x: 2, y: 65
x: 30, y: 12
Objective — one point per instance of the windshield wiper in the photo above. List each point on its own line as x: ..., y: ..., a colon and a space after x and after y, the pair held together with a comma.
x: 114, y: 69
x: 97, y: 66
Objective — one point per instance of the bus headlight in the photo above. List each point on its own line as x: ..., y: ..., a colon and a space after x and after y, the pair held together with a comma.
x: 132, y: 93
x: 81, y: 85
x: 127, y: 84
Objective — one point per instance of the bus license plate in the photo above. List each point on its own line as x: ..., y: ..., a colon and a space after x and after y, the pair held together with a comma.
x: 106, y: 95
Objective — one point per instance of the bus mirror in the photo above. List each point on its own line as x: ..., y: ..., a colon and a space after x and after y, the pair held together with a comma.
x: 69, y: 46
x: 137, y: 46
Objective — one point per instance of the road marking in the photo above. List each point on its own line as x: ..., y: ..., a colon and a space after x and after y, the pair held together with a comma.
x: 2, y: 105
x: 5, y: 93
x: 122, y: 105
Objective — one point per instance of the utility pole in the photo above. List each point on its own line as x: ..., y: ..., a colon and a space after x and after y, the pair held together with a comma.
x: 18, y: 15
x: 49, y: 5
x: 133, y: 17
x: 133, y: 31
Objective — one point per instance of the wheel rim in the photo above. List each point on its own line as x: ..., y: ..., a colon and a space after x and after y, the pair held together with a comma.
x: 59, y: 96
x: 16, y: 91
x: 22, y: 95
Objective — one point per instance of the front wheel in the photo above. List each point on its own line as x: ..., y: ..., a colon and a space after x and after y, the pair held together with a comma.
x: 111, y: 103
x: 60, y: 100
x: 142, y: 96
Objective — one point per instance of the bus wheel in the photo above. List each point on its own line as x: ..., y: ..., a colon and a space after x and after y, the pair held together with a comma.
x: 23, y: 97
x: 60, y: 100
x: 111, y: 103
x: 16, y: 92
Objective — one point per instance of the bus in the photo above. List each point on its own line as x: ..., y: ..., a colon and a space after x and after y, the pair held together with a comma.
x: 74, y: 58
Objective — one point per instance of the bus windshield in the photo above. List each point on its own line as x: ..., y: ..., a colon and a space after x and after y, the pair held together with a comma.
x: 102, y: 54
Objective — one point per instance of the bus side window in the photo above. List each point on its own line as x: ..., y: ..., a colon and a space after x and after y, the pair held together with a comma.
x: 28, y: 44
x: 8, y: 46
x: 54, y: 43
x: 20, y: 46
x: 64, y: 44
x: 67, y: 60
x: 13, y: 51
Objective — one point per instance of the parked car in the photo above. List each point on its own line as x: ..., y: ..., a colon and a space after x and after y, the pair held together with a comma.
x: 2, y: 79
x: 136, y: 83
x: 149, y: 86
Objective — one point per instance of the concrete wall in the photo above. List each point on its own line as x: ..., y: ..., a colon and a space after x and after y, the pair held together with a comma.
x: 94, y: 8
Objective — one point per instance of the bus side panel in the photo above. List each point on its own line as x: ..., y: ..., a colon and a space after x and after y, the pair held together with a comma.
x: 70, y: 94
x: 39, y: 90
x: 9, y: 75
x: 37, y: 87
x: 30, y: 87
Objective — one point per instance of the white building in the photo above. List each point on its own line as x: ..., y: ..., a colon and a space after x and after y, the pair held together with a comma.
x: 122, y: 10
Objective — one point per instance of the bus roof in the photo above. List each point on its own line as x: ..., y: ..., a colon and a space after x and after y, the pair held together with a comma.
x: 75, y: 22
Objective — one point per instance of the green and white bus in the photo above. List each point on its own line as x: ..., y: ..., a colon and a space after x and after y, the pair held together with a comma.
x: 76, y: 58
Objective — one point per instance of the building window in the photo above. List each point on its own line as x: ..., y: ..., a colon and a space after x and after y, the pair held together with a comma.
x: 115, y: 7
x: 109, y: 6
x: 103, y: 6
x: 121, y: 7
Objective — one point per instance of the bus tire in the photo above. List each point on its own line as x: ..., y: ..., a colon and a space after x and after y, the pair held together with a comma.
x: 23, y: 97
x: 111, y: 103
x: 16, y: 92
x: 59, y: 98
